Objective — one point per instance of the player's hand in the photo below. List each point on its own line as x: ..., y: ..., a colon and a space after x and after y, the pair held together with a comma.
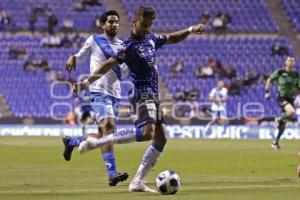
x: 267, y: 95
x: 199, y: 29
x: 71, y: 64
x: 78, y: 87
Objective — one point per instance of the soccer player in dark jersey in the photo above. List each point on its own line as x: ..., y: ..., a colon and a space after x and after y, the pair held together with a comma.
x: 138, y: 52
x: 288, y: 82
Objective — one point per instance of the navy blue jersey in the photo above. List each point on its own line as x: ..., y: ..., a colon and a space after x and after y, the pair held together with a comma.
x: 139, y: 56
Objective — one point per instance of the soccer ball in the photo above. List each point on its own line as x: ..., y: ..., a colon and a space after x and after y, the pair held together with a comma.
x: 167, y: 182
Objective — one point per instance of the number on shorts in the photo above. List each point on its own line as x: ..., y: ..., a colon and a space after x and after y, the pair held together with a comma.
x: 151, y: 109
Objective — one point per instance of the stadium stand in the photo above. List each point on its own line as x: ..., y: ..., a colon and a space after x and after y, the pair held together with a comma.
x: 292, y: 7
x: 21, y: 10
x: 245, y: 54
x: 247, y: 16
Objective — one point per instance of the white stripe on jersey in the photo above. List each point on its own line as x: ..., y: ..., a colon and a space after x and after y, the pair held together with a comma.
x: 108, y: 83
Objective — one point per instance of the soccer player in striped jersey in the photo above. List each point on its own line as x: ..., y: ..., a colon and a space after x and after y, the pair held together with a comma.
x: 288, y: 81
x: 138, y: 52
x: 218, y: 97
x: 105, y: 92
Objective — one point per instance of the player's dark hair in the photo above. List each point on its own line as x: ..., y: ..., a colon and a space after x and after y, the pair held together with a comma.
x: 145, y: 12
x: 104, y: 16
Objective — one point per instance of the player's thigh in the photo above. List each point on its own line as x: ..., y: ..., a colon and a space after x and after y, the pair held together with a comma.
x: 107, y: 125
x: 148, y: 131
x: 103, y: 106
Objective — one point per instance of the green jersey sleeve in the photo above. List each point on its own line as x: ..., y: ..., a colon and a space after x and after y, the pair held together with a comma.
x: 275, y: 75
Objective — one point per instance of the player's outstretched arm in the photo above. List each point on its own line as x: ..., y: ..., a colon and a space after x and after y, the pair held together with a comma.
x: 71, y: 64
x: 182, y: 34
x: 84, y: 53
x: 103, y: 69
x: 267, y: 88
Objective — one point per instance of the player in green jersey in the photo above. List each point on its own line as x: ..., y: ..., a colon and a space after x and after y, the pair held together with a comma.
x: 288, y: 82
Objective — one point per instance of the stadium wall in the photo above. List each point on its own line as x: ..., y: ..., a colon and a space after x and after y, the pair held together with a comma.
x: 174, y: 131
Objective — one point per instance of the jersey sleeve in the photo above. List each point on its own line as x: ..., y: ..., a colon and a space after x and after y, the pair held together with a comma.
x: 159, y: 40
x: 122, y: 53
x: 274, y: 75
x: 85, y: 51
x: 212, y: 94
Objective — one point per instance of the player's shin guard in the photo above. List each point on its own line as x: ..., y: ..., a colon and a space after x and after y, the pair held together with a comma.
x: 149, y: 161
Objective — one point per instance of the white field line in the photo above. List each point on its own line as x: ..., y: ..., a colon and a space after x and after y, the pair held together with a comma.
x: 123, y: 189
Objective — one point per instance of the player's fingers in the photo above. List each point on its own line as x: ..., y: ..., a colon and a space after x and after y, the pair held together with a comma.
x: 202, y: 27
x: 69, y: 67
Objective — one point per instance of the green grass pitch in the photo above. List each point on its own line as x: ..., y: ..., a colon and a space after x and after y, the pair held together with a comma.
x: 33, y: 168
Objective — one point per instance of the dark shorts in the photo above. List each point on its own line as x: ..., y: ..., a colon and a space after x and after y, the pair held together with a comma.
x: 283, y: 101
x: 147, y: 110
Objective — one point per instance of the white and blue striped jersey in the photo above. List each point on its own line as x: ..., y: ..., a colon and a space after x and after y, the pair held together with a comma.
x: 99, y: 49
x: 220, y: 94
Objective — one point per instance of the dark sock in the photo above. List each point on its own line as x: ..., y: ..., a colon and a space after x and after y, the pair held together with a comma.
x: 281, y: 127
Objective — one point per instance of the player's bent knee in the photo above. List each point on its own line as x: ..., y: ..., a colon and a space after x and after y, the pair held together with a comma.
x: 147, y: 136
x: 148, y: 132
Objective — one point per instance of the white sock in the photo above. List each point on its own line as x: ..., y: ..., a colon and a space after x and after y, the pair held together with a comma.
x: 149, y: 161
x: 120, y: 137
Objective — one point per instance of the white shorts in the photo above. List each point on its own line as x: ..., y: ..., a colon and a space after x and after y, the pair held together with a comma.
x: 218, y: 114
x: 104, y: 106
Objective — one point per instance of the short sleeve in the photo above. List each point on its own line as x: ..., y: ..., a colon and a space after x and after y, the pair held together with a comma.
x: 85, y: 50
x: 212, y: 94
x: 122, y: 53
x: 159, y: 40
x: 274, y: 75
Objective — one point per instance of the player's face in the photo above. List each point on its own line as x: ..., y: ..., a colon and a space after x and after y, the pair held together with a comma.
x: 111, y: 25
x: 220, y: 84
x: 289, y: 63
x: 142, y: 26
